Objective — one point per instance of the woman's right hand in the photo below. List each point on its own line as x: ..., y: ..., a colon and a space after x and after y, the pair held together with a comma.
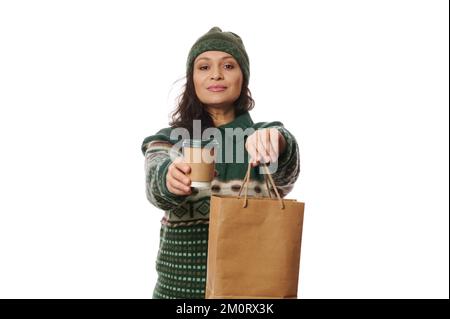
x: 176, y: 180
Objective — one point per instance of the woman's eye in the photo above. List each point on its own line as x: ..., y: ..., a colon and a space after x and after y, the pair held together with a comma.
x: 227, y: 66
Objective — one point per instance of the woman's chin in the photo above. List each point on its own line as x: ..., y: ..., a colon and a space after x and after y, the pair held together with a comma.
x: 218, y: 104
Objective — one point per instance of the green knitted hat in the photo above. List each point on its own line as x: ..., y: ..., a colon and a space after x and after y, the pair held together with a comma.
x: 216, y: 40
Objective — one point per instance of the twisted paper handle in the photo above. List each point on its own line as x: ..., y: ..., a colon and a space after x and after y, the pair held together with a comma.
x: 267, y: 178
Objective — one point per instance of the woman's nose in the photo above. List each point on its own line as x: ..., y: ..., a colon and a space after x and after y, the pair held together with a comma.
x: 216, y: 74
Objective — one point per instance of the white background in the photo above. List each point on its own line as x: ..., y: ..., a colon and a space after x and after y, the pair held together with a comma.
x: 363, y: 85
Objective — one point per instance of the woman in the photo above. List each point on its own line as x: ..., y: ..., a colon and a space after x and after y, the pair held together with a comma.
x: 217, y: 94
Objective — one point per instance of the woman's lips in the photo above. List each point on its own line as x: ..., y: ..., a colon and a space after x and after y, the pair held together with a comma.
x: 216, y: 88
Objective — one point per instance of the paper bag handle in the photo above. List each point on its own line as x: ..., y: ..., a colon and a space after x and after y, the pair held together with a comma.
x: 267, y: 177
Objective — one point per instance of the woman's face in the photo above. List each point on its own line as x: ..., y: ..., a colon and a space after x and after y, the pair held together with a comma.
x: 217, y: 79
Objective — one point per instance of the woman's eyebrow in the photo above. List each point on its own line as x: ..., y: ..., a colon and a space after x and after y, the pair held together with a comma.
x: 223, y: 58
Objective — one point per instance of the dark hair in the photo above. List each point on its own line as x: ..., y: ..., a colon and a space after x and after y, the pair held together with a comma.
x: 190, y: 108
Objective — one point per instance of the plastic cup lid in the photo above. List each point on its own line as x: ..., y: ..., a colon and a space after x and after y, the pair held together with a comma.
x: 210, y: 143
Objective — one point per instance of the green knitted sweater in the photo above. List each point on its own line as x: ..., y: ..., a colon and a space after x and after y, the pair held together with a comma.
x: 183, y: 245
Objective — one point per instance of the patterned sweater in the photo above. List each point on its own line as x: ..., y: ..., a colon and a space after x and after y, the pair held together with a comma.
x: 183, y: 245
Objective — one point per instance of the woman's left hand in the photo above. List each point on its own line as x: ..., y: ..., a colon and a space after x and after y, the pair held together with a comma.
x: 265, y: 145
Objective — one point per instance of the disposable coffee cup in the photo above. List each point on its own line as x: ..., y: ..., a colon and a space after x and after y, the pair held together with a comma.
x: 199, y: 155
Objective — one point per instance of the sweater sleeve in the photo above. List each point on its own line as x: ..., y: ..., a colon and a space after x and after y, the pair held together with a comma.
x: 288, y: 162
x: 157, y: 161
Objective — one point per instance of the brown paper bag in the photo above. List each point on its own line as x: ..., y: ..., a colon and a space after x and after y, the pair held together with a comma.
x: 254, y: 246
